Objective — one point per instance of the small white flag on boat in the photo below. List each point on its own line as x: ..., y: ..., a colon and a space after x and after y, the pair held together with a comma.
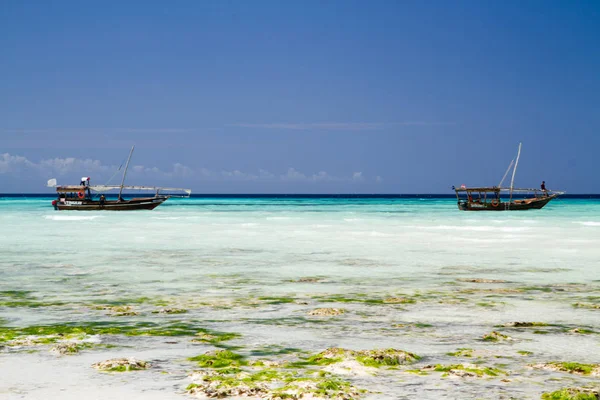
x: 52, y: 182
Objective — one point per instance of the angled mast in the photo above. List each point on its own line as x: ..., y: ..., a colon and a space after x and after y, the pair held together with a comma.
x: 506, y: 173
x: 125, y: 172
x: 512, y: 181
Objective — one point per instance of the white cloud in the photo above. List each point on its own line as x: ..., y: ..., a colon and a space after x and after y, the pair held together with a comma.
x: 10, y: 163
x: 182, y: 170
x: 322, y: 176
x: 238, y: 175
x: 293, y: 175
x: 265, y: 175
x: 63, y: 166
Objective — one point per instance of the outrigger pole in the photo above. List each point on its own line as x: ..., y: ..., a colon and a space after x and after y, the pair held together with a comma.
x: 125, y: 172
x: 512, y: 181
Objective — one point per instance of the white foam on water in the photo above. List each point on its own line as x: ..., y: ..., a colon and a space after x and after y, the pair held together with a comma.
x: 477, y: 228
x: 72, y: 217
x: 589, y: 223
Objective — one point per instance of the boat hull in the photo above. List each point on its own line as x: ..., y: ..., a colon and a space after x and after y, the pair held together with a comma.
x: 147, y: 203
x: 515, y: 205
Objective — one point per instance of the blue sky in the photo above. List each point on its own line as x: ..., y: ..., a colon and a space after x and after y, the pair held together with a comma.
x: 300, y: 97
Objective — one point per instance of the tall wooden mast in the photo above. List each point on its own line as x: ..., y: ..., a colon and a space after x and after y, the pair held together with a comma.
x: 512, y: 181
x: 125, y: 172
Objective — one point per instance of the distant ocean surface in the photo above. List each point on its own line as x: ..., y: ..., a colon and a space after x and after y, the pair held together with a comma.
x: 222, y: 257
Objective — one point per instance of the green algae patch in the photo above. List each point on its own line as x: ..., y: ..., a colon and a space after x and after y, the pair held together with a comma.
x: 127, y: 301
x: 271, y: 384
x: 573, y: 394
x: 219, y: 359
x: 15, y: 294
x: 520, y: 324
x: 324, y: 358
x: 544, y: 289
x: 272, y: 350
x: 489, y: 304
x: 277, y: 300
x: 399, y: 300
x: 214, y: 337
x: 326, y: 312
x: 525, y: 353
x: 570, y: 367
x: 170, y: 310
x: 24, y: 298
x: 413, y: 325
x: 121, y: 365
x: 267, y: 375
x: 30, y: 303
x: 462, y: 352
x: 70, y: 348
x: 589, y: 306
x: 117, y: 311
x: 70, y: 330
x: 464, y: 370
x: 325, y: 387
x: 416, y: 372
x: 495, y: 336
x: 582, y: 331
x: 7, y: 334
x: 369, y: 358
x: 347, y: 299
x: 32, y: 340
x: 385, y: 357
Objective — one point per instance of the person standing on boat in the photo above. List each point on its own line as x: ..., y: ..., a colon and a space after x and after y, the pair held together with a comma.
x: 85, y: 182
x: 543, y: 186
x: 102, y: 200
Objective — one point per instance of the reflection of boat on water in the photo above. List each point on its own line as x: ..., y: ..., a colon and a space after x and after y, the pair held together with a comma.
x: 91, y: 198
x: 491, y: 199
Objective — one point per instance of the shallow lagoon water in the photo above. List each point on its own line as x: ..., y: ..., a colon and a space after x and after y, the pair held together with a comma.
x: 257, y: 266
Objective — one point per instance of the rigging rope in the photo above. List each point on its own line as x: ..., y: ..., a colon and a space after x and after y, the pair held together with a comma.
x: 110, y: 179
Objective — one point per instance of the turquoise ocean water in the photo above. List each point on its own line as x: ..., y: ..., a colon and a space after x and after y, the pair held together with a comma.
x: 258, y: 266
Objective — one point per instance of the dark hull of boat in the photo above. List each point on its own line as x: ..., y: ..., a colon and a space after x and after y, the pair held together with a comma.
x: 148, y: 203
x: 515, y: 205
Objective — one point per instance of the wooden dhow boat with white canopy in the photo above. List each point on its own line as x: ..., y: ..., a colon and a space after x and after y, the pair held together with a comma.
x: 498, y: 198
x: 86, y: 197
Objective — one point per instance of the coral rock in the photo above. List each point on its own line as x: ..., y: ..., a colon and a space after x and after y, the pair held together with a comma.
x: 326, y: 312
x: 121, y: 364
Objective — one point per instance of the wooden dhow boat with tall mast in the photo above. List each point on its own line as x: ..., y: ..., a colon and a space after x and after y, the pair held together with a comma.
x: 498, y: 198
x: 91, y: 198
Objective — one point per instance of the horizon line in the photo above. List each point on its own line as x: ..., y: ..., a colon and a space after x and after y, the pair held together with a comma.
x: 307, y: 194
